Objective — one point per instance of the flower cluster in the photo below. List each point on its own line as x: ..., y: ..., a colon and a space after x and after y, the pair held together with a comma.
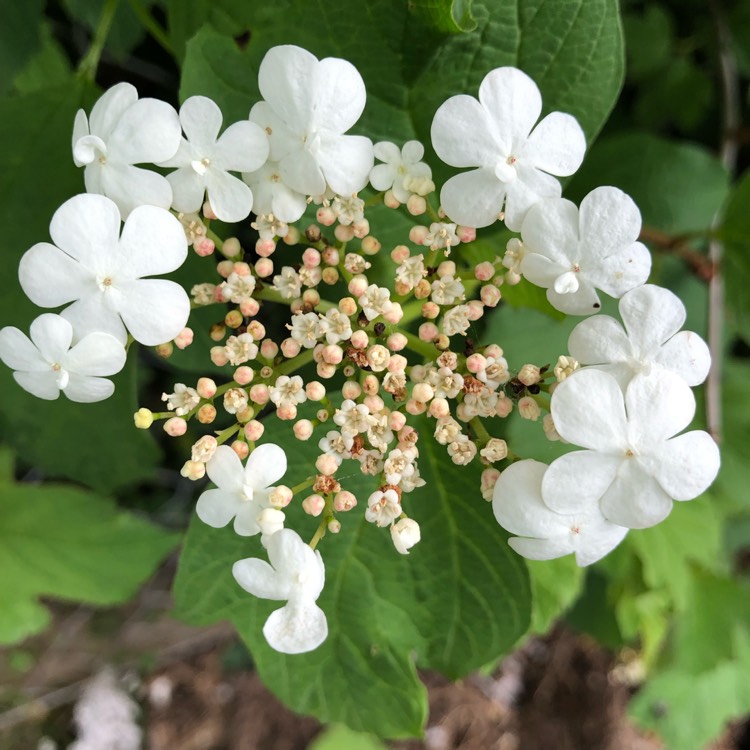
x: 394, y: 358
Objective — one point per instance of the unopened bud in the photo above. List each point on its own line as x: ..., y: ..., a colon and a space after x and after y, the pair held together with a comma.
x: 143, y: 418
x: 313, y: 505
x: 175, y: 427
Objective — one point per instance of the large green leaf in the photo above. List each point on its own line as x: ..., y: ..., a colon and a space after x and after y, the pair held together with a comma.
x: 64, y: 542
x: 445, y: 16
x: 572, y: 48
x: 459, y: 600
x: 19, y: 38
x: 92, y: 443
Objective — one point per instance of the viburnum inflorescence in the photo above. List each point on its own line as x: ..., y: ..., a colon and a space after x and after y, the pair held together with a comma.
x: 368, y: 366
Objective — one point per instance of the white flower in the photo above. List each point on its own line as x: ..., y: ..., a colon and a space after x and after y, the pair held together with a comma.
x: 46, y: 364
x: 305, y: 329
x: 101, y: 272
x: 514, y: 164
x: 456, y: 320
x: 375, y: 301
x: 573, y: 253
x: 353, y: 418
x: 296, y: 574
x: 287, y: 283
x: 337, y: 445
x: 405, y: 534
x: 383, y: 507
x: 652, y: 317
x: 288, y: 391
x: 633, y: 466
x: 272, y: 196
x: 399, y: 169
x: 238, y: 288
x: 183, y: 400
x: 204, y: 161
x: 241, y: 349
x: 309, y: 105
x: 241, y: 492
x: 542, y: 533
x: 441, y: 235
x: 122, y: 131
x: 335, y: 326
x: 411, y: 271
x: 348, y: 210
x: 446, y: 290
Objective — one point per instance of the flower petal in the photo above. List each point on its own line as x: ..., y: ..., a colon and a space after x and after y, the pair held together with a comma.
x: 286, y: 79
x: 588, y: 410
x: 463, y: 134
x: 609, y: 220
x: 90, y: 314
x: 659, y: 404
x: 473, y: 198
x: 80, y: 130
x: 243, y: 147
x: 557, y: 145
x: 635, y: 499
x: 152, y: 243
x: 688, y: 355
x: 551, y: 229
x: 382, y: 176
x: 217, y: 508
x: 130, y: 187
x: 52, y: 336
x: 584, y: 301
x: 154, y: 310
x: 96, y: 354
x: 231, y: 199
x: 686, y: 465
x: 346, y: 161
x: 18, y: 353
x: 246, y: 520
x: 302, y: 173
x: 625, y: 269
x: 541, y: 549
x: 296, y: 628
x: 598, y: 341
x: 201, y: 119
x: 338, y: 96
x: 148, y: 132
x: 281, y: 139
x: 188, y: 189
x: 266, y: 465
x: 513, y: 102
x: 225, y: 470
x: 85, y: 389
x: 258, y: 578
x: 51, y: 278
x: 530, y: 187
x: 576, y: 481
x: 389, y: 152
x: 40, y: 384
x: 651, y: 315
x: 110, y: 108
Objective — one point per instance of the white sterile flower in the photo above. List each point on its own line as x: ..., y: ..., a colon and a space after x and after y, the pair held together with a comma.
x: 542, y: 533
x: 400, y: 167
x: 633, y: 465
x: 405, y: 534
x: 295, y: 574
x: 309, y: 105
x: 46, y: 364
x: 204, y: 161
x: 124, y: 130
x: 383, y: 507
x: 651, y: 337
x: 514, y: 164
x: 375, y: 300
x: 272, y: 196
x: 573, y: 253
x: 241, y: 491
x: 101, y: 272
x: 182, y: 400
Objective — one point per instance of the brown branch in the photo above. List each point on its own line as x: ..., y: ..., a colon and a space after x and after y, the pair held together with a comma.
x: 701, y: 265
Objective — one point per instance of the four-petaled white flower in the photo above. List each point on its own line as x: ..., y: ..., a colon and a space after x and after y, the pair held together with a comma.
x: 295, y: 574
x: 633, y: 466
x: 542, y: 533
x: 124, y: 130
x: 204, y: 161
x: 308, y: 106
x: 241, y: 492
x: 46, y: 364
x: 272, y: 196
x: 572, y: 252
x: 101, y: 272
x: 651, y: 337
x: 401, y: 168
x: 514, y: 164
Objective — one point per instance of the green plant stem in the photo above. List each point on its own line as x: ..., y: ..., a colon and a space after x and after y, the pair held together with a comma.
x: 303, y: 485
x: 150, y: 24
x: 88, y: 66
x: 418, y: 346
x: 291, y: 365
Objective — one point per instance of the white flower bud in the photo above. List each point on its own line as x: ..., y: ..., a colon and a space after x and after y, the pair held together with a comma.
x: 270, y: 520
x: 405, y: 534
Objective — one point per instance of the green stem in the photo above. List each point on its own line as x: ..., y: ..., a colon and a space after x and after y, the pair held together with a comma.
x: 90, y: 62
x: 296, y: 363
x: 326, y: 517
x: 303, y: 485
x: 150, y: 24
x: 420, y: 347
x: 224, y: 435
x: 269, y: 294
x: 480, y: 430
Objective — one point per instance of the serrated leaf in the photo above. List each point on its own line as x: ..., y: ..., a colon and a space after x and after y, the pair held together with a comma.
x: 460, y: 599
x: 64, y: 542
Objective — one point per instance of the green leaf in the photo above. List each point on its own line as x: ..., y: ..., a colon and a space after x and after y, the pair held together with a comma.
x: 735, y: 230
x: 19, y: 38
x: 654, y: 172
x: 459, y: 600
x: 555, y: 586
x: 445, y: 16
x: 67, y: 543
x: 692, y: 534
x: 48, y: 67
x: 649, y: 40
x: 339, y: 737
x: 92, y: 443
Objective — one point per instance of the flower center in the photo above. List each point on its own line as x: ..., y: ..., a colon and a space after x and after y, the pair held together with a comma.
x: 505, y: 170
x: 104, y: 283
x: 567, y: 283
x: 63, y: 377
x: 201, y: 167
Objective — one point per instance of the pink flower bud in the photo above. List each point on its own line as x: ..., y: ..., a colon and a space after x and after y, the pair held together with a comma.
x: 504, y: 406
x: 351, y: 390
x: 254, y: 430
x: 476, y: 309
x: 430, y: 310
x: 344, y: 501
x: 259, y: 394
x: 325, y: 370
x: 400, y: 253
x: 292, y: 236
x: 466, y: 234
x: 439, y: 407
x: 290, y: 348
x: 374, y: 403
x: 264, y: 267
x: 243, y: 375
x: 311, y: 257
x: 484, y: 271
x: 269, y: 349
x: 218, y: 356
x: 360, y: 339
x: 528, y: 408
x: 249, y: 307
x: 390, y: 200
x: 313, y: 505
x: 396, y: 342
x: 396, y: 420
x: 326, y: 465
x: 370, y: 385
x: 428, y: 332
x: 332, y: 354
x: 311, y: 297
x: 265, y: 248
x: 344, y: 233
x: 423, y: 392
x: 416, y: 205
x: 488, y: 482
x: 415, y: 407
x: 490, y: 295
x: 193, y: 470
x: 394, y: 313
x: 334, y: 526
x: 241, y: 448
x: 326, y: 216
x: 397, y: 363
x: 446, y: 268
x: 204, y: 247
x: 208, y: 212
x: 358, y: 285
x: 331, y: 256
x: 417, y: 234
x: 303, y: 429
x: 184, y: 338
x: 206, y: 414
x: 225, y: 268
x: 493, y: 350
x: 175, y: 427
x: 370, y: 246
x: 280, y: 496
x: 348, y: 306
x: 287, y: 412
x: 315, y: 391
